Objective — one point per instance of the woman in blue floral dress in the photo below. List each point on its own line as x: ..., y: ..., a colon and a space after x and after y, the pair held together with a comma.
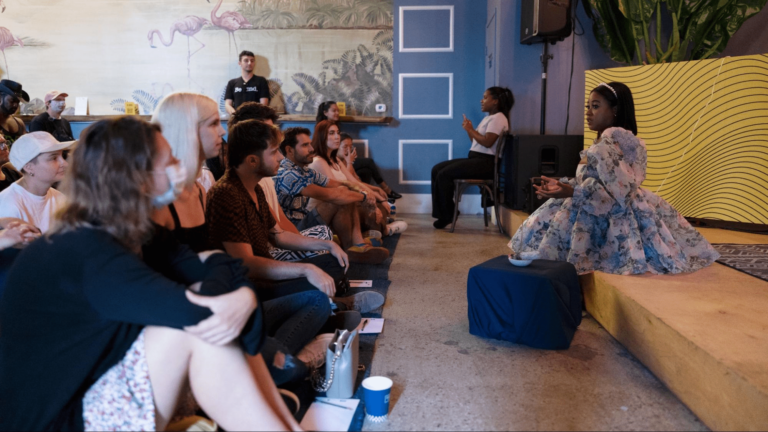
x: 603, y: 220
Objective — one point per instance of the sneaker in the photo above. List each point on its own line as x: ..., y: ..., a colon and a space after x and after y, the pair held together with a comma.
x: 397, y: 227
x: 372, y: 234
x: 367, y: 254
x: 394, y: 195
x: 313, y: 354
x: 363, y: 302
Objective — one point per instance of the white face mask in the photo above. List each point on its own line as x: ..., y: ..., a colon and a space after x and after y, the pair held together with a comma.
x: 177, y: 175
x: 58, y: 105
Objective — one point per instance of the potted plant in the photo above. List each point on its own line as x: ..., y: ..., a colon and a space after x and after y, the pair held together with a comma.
x: 631, y: 31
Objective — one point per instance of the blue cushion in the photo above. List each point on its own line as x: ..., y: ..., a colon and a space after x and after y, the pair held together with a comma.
x: 539, y: 305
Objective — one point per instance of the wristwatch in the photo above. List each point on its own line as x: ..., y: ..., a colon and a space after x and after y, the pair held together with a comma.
x: 365, y: 196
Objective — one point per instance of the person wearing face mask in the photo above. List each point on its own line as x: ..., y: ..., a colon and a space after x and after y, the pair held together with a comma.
x: 32, y: 198
x: 11, y: 94
x: 130, y: 324
x: 192, y: 126
x: 8, y: 173
x: 51, y: 121
x: 602, y: 220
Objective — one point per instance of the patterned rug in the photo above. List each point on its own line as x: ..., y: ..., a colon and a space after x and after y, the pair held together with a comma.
x: 750, y: 259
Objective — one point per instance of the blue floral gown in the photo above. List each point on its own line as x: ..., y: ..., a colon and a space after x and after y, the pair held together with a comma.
x: 611, y: 224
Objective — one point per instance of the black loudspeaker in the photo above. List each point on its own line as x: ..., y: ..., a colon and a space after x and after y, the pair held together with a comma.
x: 528, y: 156
x: 545, y: 21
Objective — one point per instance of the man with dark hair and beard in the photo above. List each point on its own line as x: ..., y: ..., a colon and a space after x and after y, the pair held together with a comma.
x: 241, y: 223
x: 11, y: 95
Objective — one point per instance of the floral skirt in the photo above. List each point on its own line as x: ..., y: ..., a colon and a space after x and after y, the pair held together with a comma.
x: 121, y: 400
x: 648, y: 235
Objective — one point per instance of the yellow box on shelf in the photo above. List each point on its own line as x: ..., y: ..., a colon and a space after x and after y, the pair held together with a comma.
x: 131, y: 108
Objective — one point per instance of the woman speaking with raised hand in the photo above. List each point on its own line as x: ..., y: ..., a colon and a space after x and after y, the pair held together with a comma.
x: 497, y: 102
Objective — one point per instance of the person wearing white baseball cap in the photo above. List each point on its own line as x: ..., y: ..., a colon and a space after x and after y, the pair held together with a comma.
x: 50, y: 121
x: 40, y: 158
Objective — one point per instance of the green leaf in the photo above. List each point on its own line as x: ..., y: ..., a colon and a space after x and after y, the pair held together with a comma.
x: 612, y: 30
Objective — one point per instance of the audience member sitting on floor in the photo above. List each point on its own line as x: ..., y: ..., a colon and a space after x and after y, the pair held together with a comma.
x: 191, y: 125
x: 497, y: 102
x: 265, y: 114
x: 337, y: 200
x: 365, y: 167
x: 11, y: 95
x: 603, y: 220
x: 326, y: 142
x: 32, y: 198
x: 139, y: 336
x: 50, y: 121
x: 240, y: 222
x: 8, y: 173
x: 346, y: 156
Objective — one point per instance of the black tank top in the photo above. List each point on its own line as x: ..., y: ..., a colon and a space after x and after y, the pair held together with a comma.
x: 197, y: 237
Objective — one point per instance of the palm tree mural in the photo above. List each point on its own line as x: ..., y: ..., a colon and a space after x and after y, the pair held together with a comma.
x: 318, y: 14
x: 361, y: 78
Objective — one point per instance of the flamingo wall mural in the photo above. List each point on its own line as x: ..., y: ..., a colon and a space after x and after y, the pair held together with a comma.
x: 229, y: 21
x: 188, y: 26
x: 7, y: 40
x: 305, y: 55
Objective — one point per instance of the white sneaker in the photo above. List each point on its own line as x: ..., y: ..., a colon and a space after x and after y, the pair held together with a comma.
x: 396, y: 227
x: 313, y: 354
x: 372, y: 234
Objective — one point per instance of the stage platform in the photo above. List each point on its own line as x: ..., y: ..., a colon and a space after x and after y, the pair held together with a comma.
x: 705, y: 334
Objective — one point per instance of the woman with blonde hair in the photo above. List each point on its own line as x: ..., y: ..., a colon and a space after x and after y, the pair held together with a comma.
x: 127, y: 324
x: 192, y: 126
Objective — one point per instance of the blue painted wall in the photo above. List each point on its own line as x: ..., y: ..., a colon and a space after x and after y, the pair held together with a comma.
x: 466, y: 64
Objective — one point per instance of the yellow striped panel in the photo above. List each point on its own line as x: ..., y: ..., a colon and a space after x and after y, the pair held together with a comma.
x: 720, y: 171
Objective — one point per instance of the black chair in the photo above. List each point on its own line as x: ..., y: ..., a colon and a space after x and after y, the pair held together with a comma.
x: 489, y: 188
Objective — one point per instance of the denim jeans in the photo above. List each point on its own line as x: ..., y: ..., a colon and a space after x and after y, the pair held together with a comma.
x: 291, y: 322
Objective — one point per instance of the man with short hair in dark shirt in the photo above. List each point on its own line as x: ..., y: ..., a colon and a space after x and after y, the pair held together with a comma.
x: 248, y: 87
x: 50, y: 121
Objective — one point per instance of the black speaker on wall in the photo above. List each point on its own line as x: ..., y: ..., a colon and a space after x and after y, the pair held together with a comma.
x: 528, y: 156
x: 544, y: 21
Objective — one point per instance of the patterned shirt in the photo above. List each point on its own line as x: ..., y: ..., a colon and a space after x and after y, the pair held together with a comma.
x: 290, y: 180
x: 232, y: 216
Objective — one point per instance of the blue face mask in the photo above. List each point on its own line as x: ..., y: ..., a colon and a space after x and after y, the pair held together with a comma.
x: 177, y: 176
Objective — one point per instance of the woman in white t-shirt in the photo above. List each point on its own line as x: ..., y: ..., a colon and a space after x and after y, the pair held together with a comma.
x: 497, y: 102
x: 32, y: 198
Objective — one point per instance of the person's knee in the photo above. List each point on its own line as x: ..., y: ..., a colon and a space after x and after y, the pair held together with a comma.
x: 444, y: 176
x: 319, y: 301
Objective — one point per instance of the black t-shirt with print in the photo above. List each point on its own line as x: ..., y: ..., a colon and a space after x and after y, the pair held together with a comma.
x: 59, y: 128
x: 252, y: 91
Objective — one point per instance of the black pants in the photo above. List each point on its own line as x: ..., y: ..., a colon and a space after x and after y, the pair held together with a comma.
x: 367, y: 170
x: 476, y: 166
x: 269, y: 289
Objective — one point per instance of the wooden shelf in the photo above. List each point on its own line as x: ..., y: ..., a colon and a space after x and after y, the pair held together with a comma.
x: 283, y: 118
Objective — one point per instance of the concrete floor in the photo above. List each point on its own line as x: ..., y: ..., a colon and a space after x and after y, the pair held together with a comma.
x: 446, y: 379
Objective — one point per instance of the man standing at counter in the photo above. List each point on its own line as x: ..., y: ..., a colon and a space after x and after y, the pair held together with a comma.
x: 248, y: 87
x: 50, y: 121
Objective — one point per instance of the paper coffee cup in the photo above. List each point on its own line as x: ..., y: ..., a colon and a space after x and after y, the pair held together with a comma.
x: 376, y: 397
